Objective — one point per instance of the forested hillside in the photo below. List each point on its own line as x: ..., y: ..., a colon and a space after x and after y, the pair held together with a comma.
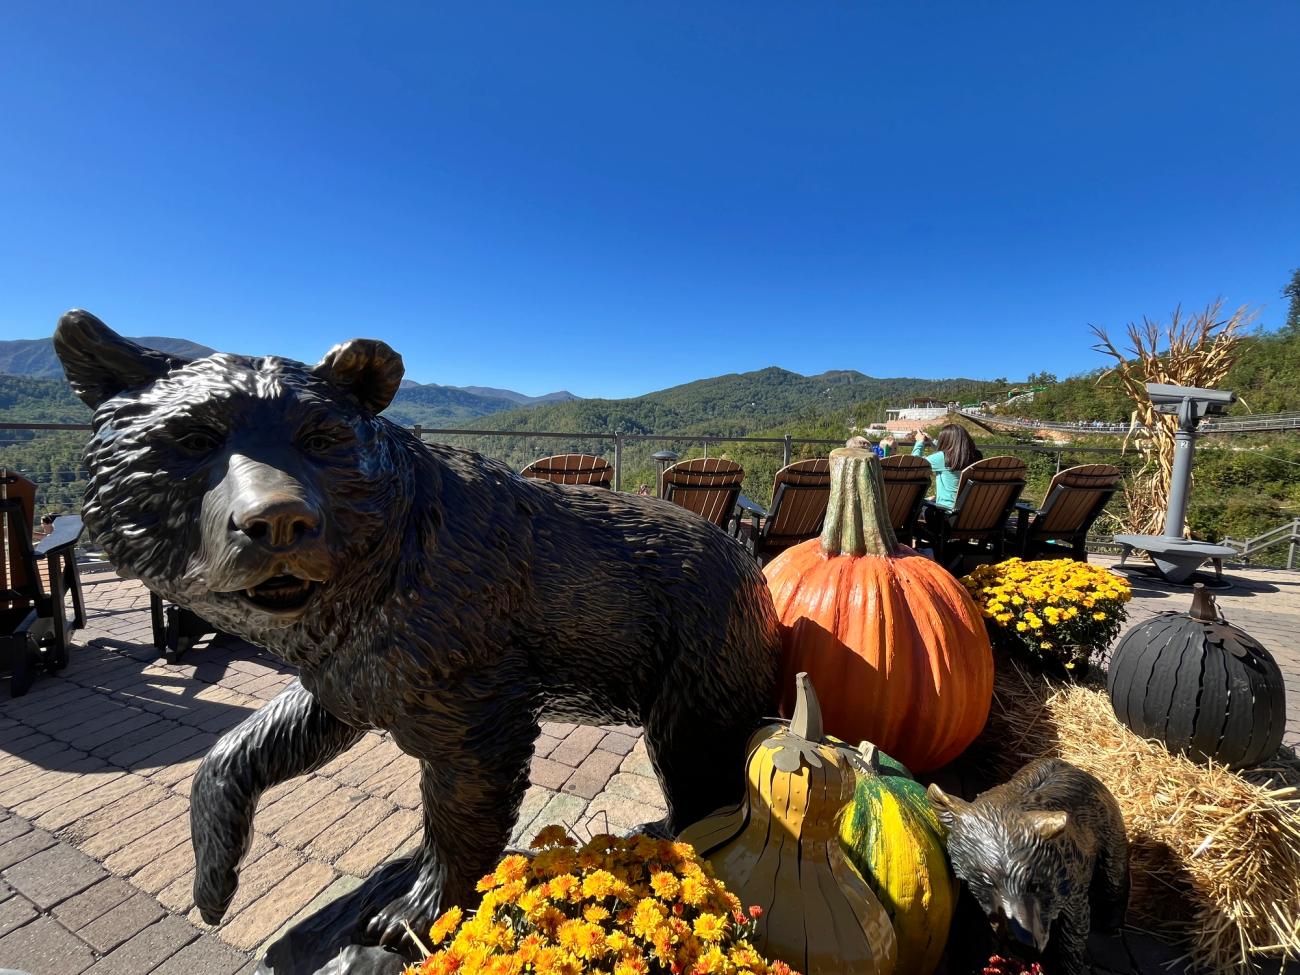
x: 36, y: 358
x: 1266, y: 377
x: 739, y: 403
x: 1244, y: 486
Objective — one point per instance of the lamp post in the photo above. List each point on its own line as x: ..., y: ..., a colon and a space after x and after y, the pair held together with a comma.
x: 664, y: 458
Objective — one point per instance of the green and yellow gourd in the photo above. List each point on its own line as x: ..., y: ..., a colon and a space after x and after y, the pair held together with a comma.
x: 780, y: 849
x: 892, y: 835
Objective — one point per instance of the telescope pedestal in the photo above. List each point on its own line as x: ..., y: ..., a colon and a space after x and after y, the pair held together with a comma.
x: 1175, y: 558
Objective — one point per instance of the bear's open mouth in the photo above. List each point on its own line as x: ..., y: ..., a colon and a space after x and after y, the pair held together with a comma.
x: 281, y: 594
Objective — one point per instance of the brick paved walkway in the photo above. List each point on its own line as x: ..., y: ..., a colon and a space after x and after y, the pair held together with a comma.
x: 95, y: 769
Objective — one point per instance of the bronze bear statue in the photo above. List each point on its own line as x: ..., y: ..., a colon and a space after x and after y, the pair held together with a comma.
x: 1046, y: 857
x: 419, y: 589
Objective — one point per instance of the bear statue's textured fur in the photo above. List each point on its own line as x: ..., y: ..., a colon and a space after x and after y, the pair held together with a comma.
x: 1046, y: 857
x: 419, y: 589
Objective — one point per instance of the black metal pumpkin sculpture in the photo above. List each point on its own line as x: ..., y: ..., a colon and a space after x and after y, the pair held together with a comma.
x: 1200, y: 685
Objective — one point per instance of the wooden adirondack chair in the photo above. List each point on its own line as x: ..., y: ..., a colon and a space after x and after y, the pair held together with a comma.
x: 907, y: 480
x: 34, y: 627
x: 176, y: 629
x: 1074, y: 500
x: 986, y: 493
x: 800, y: 492
x: 572, y: 469
x: 709, y: 486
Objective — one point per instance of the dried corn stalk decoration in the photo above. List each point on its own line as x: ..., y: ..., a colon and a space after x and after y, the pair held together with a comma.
x: 1198, y: 351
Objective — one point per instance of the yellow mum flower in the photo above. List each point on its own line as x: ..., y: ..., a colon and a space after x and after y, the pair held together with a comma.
x: 693, y: 891
x: 665, y: 885
x: 445, y: 925
x: 584, y: 939
x: 711, y: 961
x: 512, y: 868
x: 598, y: 884
x: 710, y: 927
x: 552, y: 836
x: 562, y: 887
x: 647, y: 917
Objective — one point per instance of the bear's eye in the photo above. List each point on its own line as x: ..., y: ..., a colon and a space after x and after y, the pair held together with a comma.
x: 199, y: 441
x: 318, y: 443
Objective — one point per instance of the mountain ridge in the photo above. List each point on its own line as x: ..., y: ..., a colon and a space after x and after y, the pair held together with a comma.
x: 424, y: 403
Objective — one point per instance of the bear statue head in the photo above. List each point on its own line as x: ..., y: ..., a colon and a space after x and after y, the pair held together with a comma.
x: 251, y: 490
x: 1010, y: 862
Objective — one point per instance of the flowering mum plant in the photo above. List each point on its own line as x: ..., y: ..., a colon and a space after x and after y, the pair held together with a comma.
x: 1057, y: 611
x: 634, y: 906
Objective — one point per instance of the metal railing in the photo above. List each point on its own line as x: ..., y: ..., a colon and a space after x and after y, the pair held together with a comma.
x: 1287, y: 534
x: 620, y: 441
x: 1247, y: 424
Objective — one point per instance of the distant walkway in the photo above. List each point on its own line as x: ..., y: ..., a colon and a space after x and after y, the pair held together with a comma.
x: 1253, y: 424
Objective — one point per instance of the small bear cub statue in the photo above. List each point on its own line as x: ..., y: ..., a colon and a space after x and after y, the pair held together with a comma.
x: 1046, y: 857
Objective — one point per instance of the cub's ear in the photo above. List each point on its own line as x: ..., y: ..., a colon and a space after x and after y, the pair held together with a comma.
x: 99, y: 363
x: 948, y: 807
x: 1048, y: 824
x: 366, y: 369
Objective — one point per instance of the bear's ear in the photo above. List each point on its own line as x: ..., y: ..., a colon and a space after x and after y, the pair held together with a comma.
x: 99, y: 363
x: 1048, y: 824
x: 367, y: 369
x: 948, y: 807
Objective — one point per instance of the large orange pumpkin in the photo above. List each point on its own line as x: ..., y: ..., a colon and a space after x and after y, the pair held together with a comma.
x: 893, y: 642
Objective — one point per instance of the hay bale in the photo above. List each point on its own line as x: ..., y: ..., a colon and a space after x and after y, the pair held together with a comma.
x: 1215, y: 854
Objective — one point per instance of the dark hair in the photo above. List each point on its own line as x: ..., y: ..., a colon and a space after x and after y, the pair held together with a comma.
x: 959, y: 450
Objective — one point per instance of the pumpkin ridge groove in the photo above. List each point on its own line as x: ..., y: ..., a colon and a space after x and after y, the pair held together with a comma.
x: 1153, y: 651
x: 1227, y: 709
x: 1179, y: 692
x: 1200, y: 694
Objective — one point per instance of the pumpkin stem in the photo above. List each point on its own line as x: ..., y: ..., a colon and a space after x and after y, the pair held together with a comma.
x: 807, y: 720
x: 857, y: 521
x: 1203, y: 607
x: 871, y: 755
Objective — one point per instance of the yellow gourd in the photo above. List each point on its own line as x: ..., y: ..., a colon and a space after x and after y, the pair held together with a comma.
x: 891, y: 834
x: 780, y: 849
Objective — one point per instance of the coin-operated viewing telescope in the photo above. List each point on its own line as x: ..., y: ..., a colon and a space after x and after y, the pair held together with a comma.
x: 1176, y: 557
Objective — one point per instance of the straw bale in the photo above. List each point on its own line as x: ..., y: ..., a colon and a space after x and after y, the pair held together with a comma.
x: 1215, y: 855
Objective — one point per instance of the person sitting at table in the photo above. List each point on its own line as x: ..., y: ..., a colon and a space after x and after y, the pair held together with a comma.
x: 885, y: 447
x: 956, y: 451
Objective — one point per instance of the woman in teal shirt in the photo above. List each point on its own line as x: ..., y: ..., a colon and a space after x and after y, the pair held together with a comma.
x: 956, y: 451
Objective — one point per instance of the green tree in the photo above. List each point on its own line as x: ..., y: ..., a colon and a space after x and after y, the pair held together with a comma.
x: 1292, y: 291
x: 1041, y: 378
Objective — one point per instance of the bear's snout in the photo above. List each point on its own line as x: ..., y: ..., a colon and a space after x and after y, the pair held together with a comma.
x: 277, y: 521
x: 270, y: 507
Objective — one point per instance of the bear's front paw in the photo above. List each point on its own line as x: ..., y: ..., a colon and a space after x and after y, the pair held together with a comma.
x: 214, y: 889
x: 417, y: 909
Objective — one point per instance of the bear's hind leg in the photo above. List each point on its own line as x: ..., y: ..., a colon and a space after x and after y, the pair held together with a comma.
x: 700, y: 764
x: 472, y: 782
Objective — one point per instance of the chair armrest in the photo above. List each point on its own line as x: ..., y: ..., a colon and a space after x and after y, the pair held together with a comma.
x: 63, y: 536
x: 747, y: 506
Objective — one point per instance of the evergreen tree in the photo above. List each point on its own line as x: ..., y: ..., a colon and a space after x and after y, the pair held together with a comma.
x: 1292, y: 291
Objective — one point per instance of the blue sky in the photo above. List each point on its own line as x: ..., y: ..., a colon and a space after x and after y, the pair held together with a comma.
x: 617, y: 197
